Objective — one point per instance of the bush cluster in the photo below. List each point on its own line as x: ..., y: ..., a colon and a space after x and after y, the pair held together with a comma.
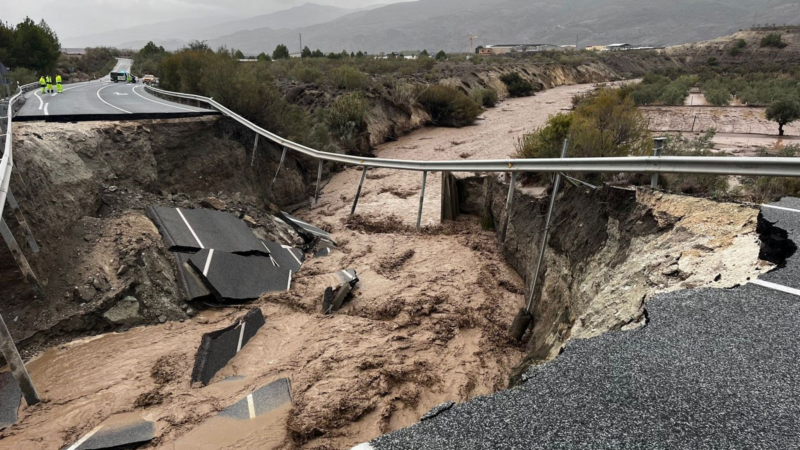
x: 448, y: 106
x: 29, y: 46
x: 773, y: 40
x: 661, y: 90
x: 347, y: 118
x: 484, y: 97
x: 517, y: 86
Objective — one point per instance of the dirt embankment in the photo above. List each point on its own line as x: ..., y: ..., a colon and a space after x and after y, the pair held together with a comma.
x: 612, y: 249
x: 752, y: 55
x: 83, y: 188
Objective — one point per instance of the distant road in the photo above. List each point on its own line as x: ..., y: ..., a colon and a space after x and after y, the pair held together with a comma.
x: 103, y: 100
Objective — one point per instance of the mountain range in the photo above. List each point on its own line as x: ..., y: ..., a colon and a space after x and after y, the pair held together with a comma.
x: 448, y: 24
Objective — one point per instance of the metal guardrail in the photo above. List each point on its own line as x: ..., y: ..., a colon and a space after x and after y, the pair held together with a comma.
x: 7, y: 162
x: 747, y: 166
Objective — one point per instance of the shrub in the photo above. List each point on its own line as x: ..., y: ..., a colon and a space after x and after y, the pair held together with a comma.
x: 306, y: 74
x: 347, y: 117
x: 773, y: 40
x: 347, y: 77
x: 22, y: 76
x: 441, y: 56
x: 484, y: 97
x: 448, y: 106
x: 737, y: 48
x: 608, y: 125
x: 547, y: 141
x: 517, y: 86
x: 280, y: 52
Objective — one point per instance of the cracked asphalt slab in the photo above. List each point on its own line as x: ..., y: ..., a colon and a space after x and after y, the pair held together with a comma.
x: 712, y: 369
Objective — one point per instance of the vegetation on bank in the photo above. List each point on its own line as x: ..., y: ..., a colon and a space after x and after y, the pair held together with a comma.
x: 29, y: 49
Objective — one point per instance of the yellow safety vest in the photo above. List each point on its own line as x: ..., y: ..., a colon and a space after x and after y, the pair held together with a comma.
x: 58, y: 79
x: 42, y: 82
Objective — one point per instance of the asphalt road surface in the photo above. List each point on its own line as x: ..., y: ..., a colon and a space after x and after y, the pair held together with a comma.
x: 712, y: 369
x: 103, y: 99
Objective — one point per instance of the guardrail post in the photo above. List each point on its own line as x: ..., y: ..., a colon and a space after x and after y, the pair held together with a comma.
x: 422, y: 198
x: 511, y: 188
x: 16, y: 365
x: 358, y: 192
x: 319, y: 180
x: 525, y: 316
x: 658, y: 145
x: 19, y: 257
x: 255, y: 147
x: 12, y: 202
x: 280, y: 164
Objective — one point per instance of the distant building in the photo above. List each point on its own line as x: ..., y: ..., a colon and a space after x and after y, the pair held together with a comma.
x: 618, y: 47
x: 501, y: 49
x: 597, y: 48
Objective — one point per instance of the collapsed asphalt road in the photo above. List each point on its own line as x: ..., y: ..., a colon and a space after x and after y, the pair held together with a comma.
x: 711, y: 369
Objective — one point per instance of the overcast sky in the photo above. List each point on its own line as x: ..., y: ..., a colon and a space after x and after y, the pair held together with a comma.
x: 81, y: 17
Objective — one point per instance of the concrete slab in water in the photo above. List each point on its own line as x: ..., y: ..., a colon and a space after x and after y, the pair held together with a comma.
x: 219, y: 347
x: 118, y: 432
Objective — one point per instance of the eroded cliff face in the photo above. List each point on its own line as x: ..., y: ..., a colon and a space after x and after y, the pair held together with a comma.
x: 612, y: 249
x: 83, y: 189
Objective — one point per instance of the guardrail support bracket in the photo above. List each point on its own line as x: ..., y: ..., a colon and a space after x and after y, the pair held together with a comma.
x: 319, y: 180
x: 358, y: 192
x: 422, y: 198
x: 512, y: 186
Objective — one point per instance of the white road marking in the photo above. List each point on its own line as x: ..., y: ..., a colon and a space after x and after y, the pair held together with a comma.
x: 45, y: 109
x: 364, y: 446
x: 109, y: 104
x: 289, y: 283
x: 208, y: 262
x: 251, y: 407
x: 53, y: 94
x: 347, y: 274
x: 165, y: 104
x: 190, y: 228
x: 781, y: 208
x: 241, y: 337
x: 41, y: 102
x: 85, y: 438
x: 776, y: 287
x: 289, y: 249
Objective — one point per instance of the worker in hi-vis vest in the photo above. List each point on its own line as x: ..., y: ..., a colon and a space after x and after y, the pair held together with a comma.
x: 42, y: 83
x: 58, y: 84
x: 49, y: 83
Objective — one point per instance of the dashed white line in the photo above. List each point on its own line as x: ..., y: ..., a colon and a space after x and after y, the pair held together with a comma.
x: 781, y: 208
x: 160, y: 103
x: 109, y: 104
x: 85, y: 438
x: 251, y: 407
x: 190, y: 228
x: 777, y: 287
x: 208, y: 262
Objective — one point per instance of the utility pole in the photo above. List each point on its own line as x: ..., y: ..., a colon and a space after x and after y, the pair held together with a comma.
x: 577, y: 39
x: 755, y: 18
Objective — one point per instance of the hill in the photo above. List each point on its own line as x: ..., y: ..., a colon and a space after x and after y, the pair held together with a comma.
x: 447, y: 24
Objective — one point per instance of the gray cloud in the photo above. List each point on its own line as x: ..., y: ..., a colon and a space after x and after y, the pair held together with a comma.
x: 82, y: 17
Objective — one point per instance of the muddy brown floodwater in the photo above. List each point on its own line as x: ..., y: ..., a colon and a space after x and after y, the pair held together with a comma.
x: 427, y: 324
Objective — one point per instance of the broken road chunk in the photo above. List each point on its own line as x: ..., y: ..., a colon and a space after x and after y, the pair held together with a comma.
x: 334, y: 296
x: 117, y: 432
x: 285, y: 256
x: 219, y: 347
x: 305, y: 229
x: 198, y: 229
x: 260, y: 402
x: 238, y: 278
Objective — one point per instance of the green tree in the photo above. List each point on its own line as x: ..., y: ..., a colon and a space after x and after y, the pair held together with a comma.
x: 773, y: 40
x: 360, y: 54
x: 783, y: 112
x: 263, y: 57
x: 317, y: 54
x: 35, y: 46
x: 238, y: 54
x: 306, y: 53
x: 198, y: 46
x: 424, y: 54
x: 151, y: 49
x: 441, y: 56
x: 281, y: 52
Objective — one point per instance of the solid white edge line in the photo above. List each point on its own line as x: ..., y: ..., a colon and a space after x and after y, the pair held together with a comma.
x: 190, y: 228
x: 776, y: 287
x: 289, y: 283
x: 85, y: 438
x: 289, y: 249
x: 781, y: 208
x: 241, y: 337
x: 41, y: 102
x: 109, y: 104
x: 251, y: 407
x: 208, y: 262
x: 165, y: 104
x: 46, y: 113
x: 348, y: 275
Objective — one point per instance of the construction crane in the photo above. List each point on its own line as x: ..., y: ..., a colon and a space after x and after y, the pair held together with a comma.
x: 472, y: 43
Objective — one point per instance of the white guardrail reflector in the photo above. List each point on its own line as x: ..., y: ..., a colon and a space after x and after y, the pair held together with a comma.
x: 749, y: 166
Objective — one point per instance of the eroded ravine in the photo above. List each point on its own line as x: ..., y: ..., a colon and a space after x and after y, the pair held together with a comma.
x: 427, y: 324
